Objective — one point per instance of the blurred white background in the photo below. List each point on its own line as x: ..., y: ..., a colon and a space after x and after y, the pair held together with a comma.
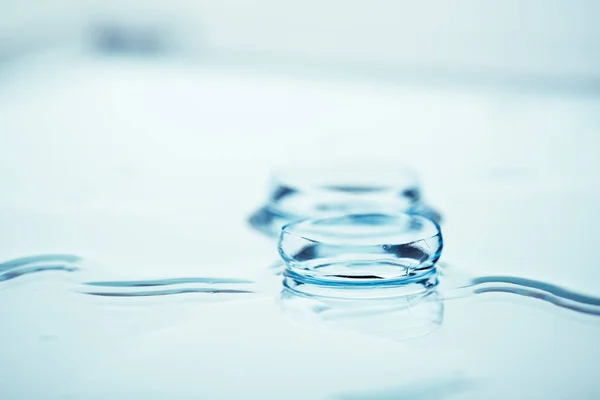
x: 533, y: 38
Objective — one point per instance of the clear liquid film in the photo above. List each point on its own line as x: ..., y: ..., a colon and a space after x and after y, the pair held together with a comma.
x: 449, y: 283
x: 63, y: 313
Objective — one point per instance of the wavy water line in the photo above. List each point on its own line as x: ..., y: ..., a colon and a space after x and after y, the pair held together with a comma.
x: 169, y: 292
x: 524, y: 283
x: 548, y: 298
x: 29, y: 265
x: 36, y: 264
x: 37, y: 259
x: 19, y: 267
x: 547, y: 292
x: 166, y: 287
x: 167, y: 282
x: 35, y: 269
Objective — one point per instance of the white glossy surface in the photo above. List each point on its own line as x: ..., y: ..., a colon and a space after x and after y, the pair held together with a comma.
x: 155, y: 165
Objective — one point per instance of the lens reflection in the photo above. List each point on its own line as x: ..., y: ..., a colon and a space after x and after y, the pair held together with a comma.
x: 396, y: 317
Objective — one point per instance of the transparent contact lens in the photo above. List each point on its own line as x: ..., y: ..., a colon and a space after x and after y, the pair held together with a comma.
x: 315, y: 191
x: 357, y: 251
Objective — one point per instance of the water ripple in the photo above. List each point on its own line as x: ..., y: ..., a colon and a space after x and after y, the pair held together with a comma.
x: 167, y: 292
x: 168, y: 287
x: 166, y: 282
x: 31, y: 270
x: 548, y: 288
x: 39, y: 263
x: 35, y: 264
x: 547, y: 292
x: 37, y: 259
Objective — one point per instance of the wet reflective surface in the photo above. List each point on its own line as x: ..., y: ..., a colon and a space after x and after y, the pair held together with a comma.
x: 128, y: 272
x: 397, y: 317
x: 463, y: 344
